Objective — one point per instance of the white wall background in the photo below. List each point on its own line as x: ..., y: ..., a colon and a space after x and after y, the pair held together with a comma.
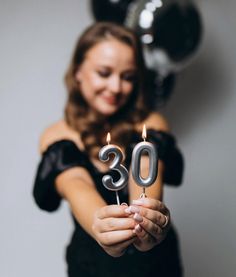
x: 37, y: 38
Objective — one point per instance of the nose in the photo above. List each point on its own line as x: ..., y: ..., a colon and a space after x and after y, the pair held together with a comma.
x: 114, y: 84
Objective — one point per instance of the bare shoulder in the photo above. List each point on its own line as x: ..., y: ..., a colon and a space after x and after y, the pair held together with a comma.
x: 56, y: 132
x: 155, y: 121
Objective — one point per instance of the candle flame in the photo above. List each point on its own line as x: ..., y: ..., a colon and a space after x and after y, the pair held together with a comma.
x: 144, y: 133
x: 108, y: 138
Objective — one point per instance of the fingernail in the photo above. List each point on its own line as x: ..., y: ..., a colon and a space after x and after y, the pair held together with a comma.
x: 124, y: 204
x: 138, y: 217
x: 137, y: 202
x: 134, y: 209
x: 138, y: 228
x: 127, y: 210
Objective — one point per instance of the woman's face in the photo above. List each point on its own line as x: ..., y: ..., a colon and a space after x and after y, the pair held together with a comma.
x: 107, y: 75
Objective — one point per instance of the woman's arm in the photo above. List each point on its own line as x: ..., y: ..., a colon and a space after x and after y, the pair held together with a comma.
x: 110, y: 226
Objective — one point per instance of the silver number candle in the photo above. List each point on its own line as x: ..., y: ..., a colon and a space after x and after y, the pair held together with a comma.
x: 115, y: 165
x: 141, y: 147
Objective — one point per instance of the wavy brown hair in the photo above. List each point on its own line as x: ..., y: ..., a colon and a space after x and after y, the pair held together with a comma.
x: 78, y: 114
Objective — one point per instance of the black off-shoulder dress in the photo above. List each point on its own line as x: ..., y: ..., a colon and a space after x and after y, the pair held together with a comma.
x: 83, y: 255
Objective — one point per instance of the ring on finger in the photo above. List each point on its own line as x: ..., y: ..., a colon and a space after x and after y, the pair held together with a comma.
x: 166, y: 222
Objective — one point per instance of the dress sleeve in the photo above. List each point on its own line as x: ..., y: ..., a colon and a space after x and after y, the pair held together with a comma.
x: 169, y: 153
x: 57, y: 158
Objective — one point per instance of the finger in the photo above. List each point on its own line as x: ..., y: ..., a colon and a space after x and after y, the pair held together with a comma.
x: 139, y: 231
x: 115, y: 224
x: 123, y: 245
x: 112, y: 211
x: 144, y: 240
x: 153, y: 229
x: 150, y: 203
x: 155, y: 216
x: 115, y: 237
x: 126, y: 243
x: 167, y: 222
x: 119, y: 249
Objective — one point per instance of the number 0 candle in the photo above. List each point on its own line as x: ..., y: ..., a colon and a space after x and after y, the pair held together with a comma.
x: 139, y: 149
x: 116, y: 165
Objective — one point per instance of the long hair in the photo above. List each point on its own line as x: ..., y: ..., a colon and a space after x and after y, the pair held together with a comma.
x: 78, y: 115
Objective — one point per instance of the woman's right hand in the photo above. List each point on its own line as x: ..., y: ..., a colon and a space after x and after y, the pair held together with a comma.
x: 113, y: 229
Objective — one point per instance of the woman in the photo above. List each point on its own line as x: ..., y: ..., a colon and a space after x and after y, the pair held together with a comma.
x: 106, y: 94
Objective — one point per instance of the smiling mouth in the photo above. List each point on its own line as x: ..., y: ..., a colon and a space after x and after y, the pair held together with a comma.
x: 111, y: 100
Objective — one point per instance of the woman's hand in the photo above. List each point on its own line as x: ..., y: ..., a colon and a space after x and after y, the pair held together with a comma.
x: 152, y: 222
x: 114, y: 229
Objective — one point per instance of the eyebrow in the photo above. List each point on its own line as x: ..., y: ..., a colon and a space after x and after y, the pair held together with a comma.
x: 131, y: 68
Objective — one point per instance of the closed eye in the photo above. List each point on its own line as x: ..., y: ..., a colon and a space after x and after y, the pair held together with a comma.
x: 130, y: 76
x: 104, y: 73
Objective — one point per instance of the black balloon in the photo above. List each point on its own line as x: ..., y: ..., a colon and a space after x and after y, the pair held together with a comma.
x: 110, y: 10
x: 174, y: 26
x: 178, y: 31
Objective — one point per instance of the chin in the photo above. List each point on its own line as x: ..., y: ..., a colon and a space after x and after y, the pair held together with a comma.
x: 109, y: 111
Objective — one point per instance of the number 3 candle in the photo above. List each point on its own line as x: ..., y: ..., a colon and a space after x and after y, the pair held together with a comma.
x: 107, y: 179
x: 141, y: 147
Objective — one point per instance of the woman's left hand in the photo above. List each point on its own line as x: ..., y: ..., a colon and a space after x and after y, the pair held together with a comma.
x: 153, y: 221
